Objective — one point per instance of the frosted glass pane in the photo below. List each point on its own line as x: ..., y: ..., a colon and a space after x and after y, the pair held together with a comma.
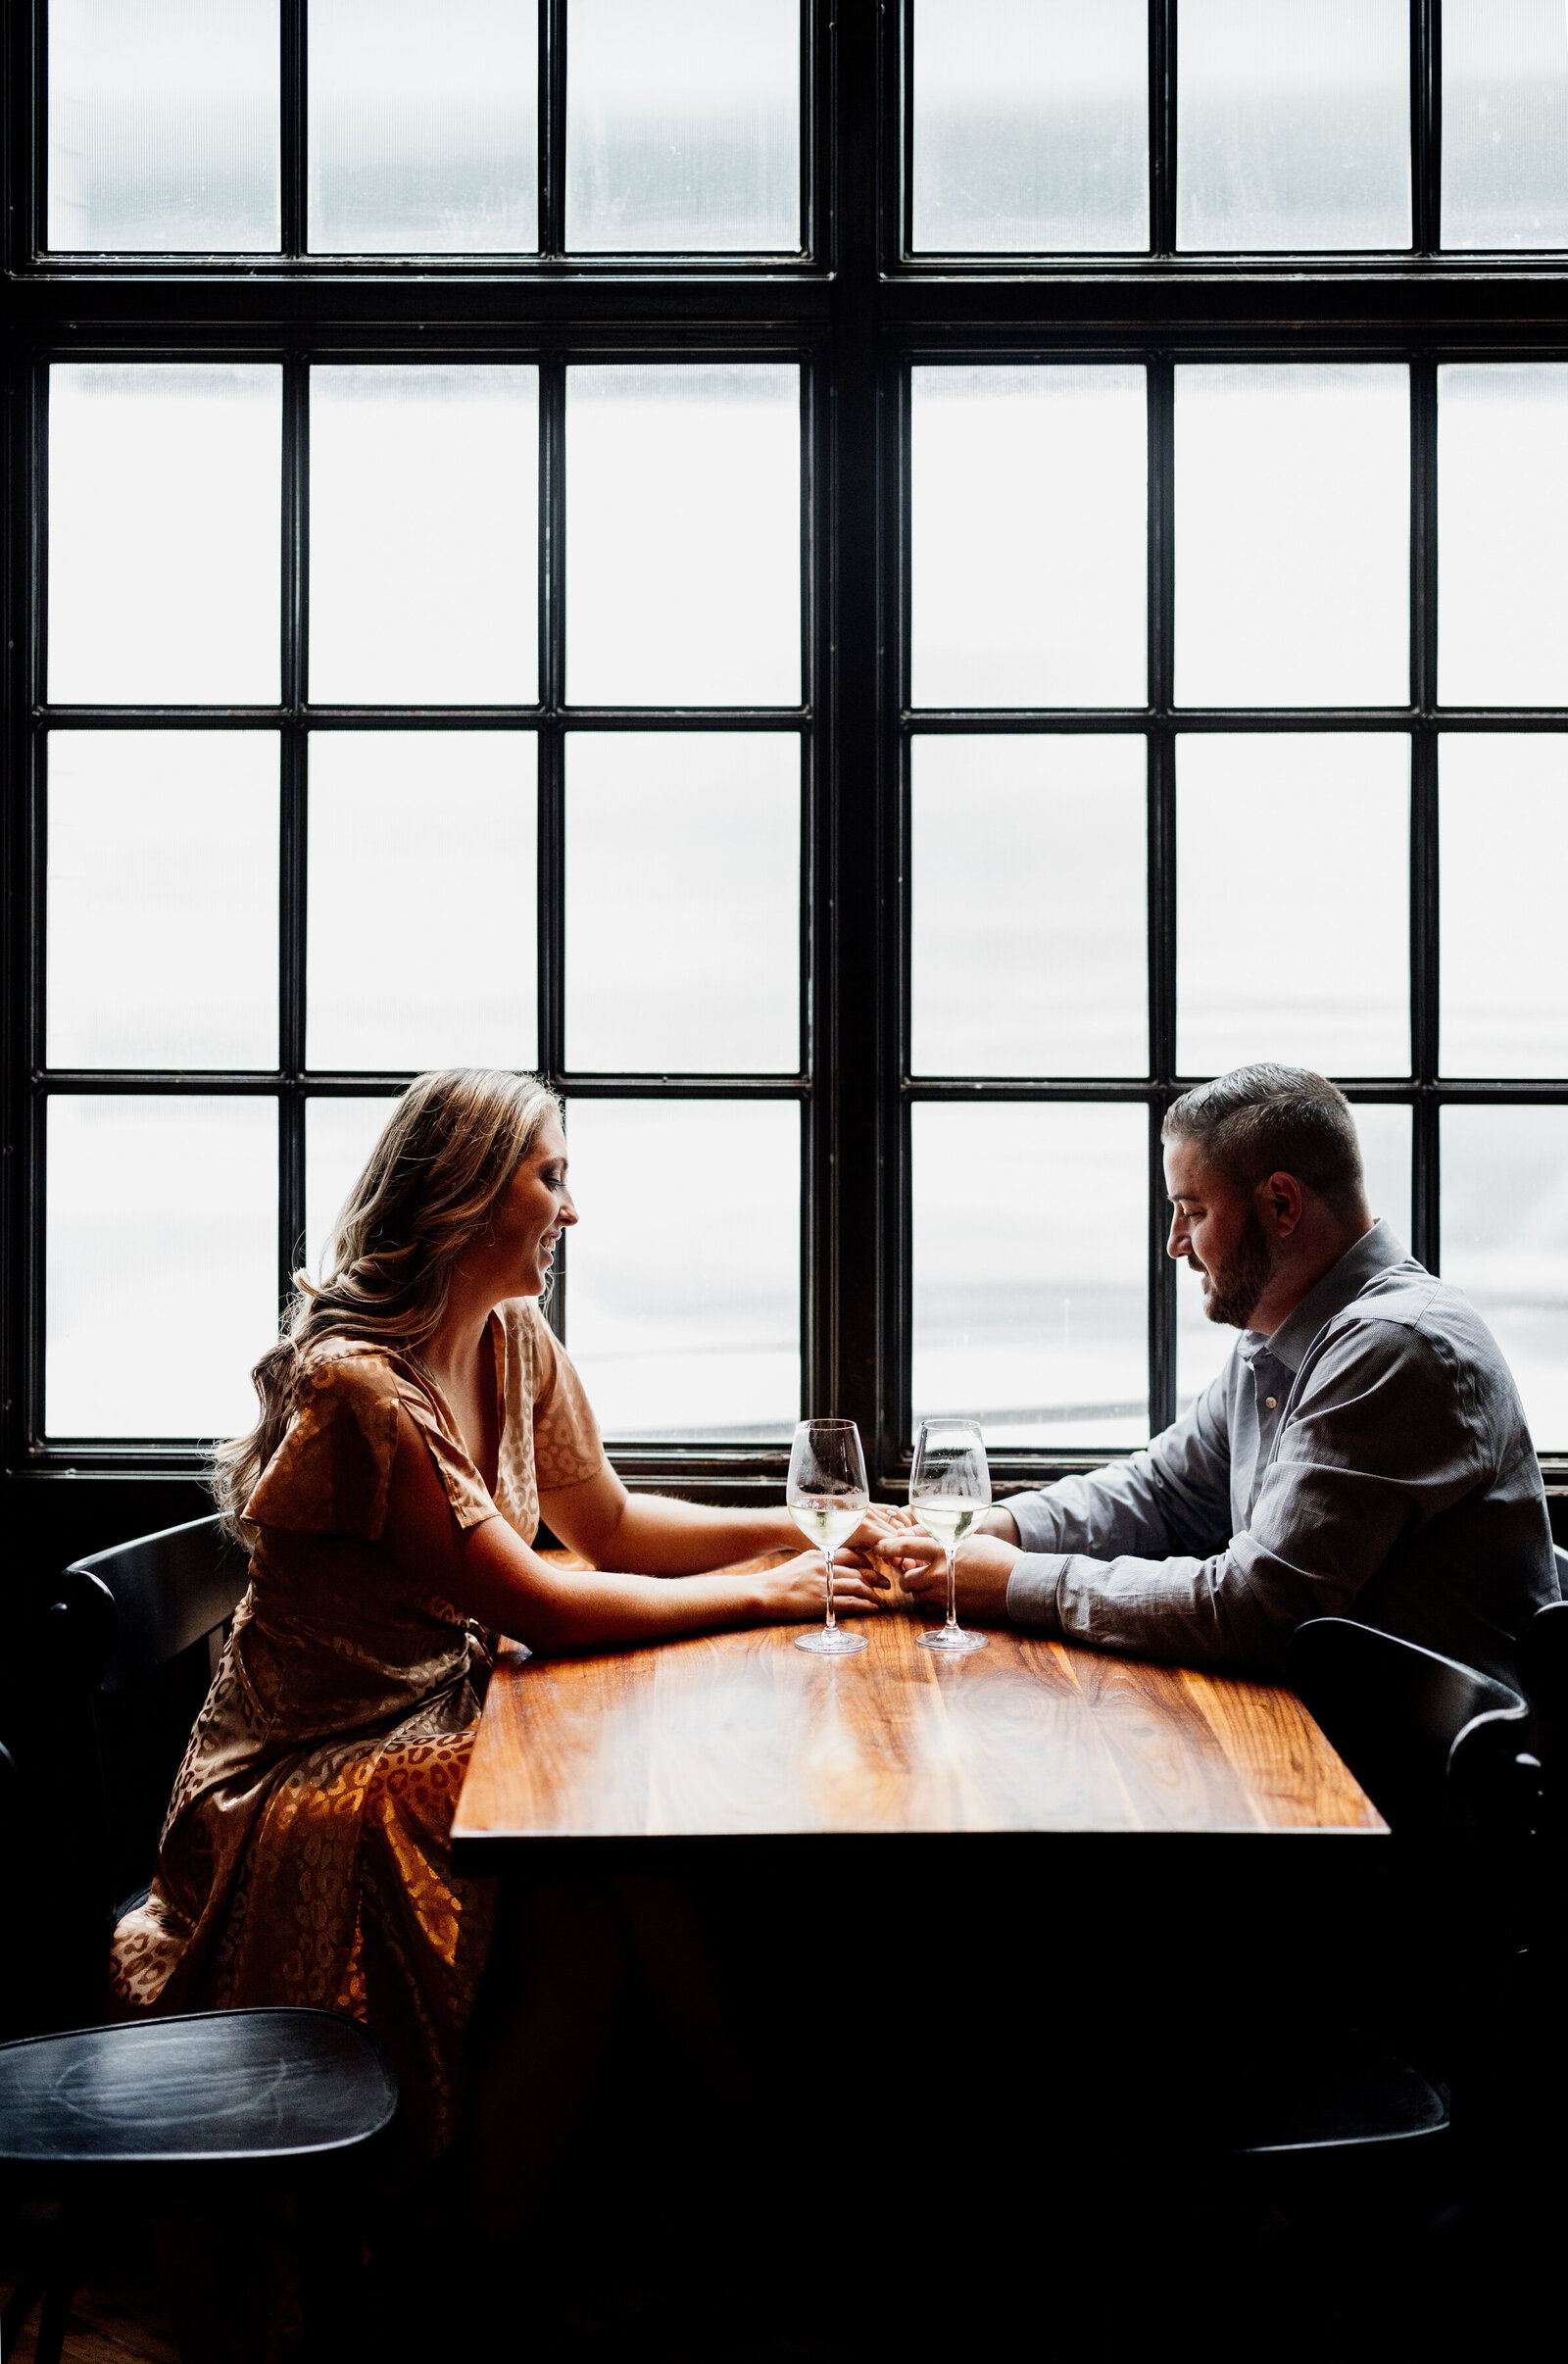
x: 1293, y: 868
x: 1028, y: 902
x: 1029, y: 509
x: 683, y: 902
x: 1503, y: 858
x: 163, y: 125
x: 1504, y: 123
x: 1292, y: 534
x: 683, y: 1276
x: 1292, y: 124
x: 161, y: 1265
x: 1202, y: 1347
x: 423, y: 126
x: 420, y: 930
x: 1502, y: 534
x: 339, y: 1136
x: 162, y: 899
x: 425, y: 505
x: 1031, y: 1271
x: 684, y: 126
x: 683, y: 534
x: 1505, y: 1245
x: 165, y: 498
x: 1031, y: 126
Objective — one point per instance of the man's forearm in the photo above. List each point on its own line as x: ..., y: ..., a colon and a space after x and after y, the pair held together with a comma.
x: 999, y: 1521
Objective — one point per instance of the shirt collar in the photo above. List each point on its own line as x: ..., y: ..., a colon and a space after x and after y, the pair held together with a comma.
x: 1375, y: 1251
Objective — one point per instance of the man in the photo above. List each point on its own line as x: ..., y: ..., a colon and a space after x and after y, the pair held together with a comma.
x: 1362, y: 1454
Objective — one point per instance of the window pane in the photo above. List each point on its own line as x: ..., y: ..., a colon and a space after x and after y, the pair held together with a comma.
x: 683, y: 534
x: 1202, y: 1347
x: 682, y: 1336
x: 1504, y: 856
x: 339, y: 1136
x: 1505, y: 1245
x: 1028, y: 906
x: 683, y: 902
x: 1031, y: 126
x: 423, y: 126
x: 1502, y: 534
x: 162, y: 1290
x: 1504, y: 123
x: 1292, y: 535
x: 1031, y: 1288
x: 1294, y: 124
x: 684, y: 126
x: 1292, y: 869
x: 163, y: 507
x: 425, y: 499
x: 420, y: 935
x: 163, y: 125
x: 1029, y: 510
x: 162, y: 899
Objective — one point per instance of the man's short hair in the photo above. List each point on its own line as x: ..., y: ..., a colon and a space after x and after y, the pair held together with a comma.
x: 1268, y: 1120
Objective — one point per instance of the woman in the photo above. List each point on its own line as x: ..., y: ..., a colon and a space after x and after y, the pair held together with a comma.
x: 418, y: 1418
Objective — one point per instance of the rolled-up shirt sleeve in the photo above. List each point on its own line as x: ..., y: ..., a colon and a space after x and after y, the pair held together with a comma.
x: 1378, y: 1439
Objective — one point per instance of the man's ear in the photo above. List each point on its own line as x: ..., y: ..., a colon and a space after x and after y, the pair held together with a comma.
x: 1282, y: 1203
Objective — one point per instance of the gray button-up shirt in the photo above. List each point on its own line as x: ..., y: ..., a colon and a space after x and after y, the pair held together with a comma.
x: 1369, y: 1459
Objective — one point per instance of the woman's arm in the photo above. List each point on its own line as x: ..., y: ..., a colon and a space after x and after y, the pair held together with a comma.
x: 488, y: 1573
x: 608, y: 1526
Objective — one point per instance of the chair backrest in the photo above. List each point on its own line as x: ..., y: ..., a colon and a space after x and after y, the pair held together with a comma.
x: 1431, y: 1741
x: 167, y: 1590
x: 122, y: 1644
x: 1543, y: 1671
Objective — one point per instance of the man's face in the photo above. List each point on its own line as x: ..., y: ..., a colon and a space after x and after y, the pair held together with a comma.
x: 1215, y: 1226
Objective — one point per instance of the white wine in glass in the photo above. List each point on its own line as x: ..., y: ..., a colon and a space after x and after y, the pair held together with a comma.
x: 950, y: 1486
x: 827, y: 1495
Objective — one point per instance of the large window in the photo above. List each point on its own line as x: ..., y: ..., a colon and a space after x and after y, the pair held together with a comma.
x: 870, y: 592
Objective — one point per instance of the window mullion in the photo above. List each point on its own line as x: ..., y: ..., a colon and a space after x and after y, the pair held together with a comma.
x: 293, y: 134
x: 1426, y: 125
x: 1163, y: 126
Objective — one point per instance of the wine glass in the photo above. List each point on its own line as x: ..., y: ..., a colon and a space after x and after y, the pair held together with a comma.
x: 827, y: 1495
x: 950, y: 1485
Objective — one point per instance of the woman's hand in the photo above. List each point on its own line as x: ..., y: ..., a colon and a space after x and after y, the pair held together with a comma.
x: 796, y: 1594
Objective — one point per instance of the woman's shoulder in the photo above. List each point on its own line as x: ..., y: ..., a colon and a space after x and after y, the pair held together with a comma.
x: 331, y: 1470
x: 349, y: 1370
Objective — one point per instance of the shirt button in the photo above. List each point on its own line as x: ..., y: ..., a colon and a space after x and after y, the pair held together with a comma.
x: 1269, y: 1402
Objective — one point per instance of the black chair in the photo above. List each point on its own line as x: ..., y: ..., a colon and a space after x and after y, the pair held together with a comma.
x: 1440, y: 1750
x: 211, y: 2112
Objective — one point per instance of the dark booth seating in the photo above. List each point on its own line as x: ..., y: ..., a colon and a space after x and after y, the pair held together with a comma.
x: 204, y: 2112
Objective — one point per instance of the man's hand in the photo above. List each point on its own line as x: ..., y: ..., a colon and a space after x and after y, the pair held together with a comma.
x: 983, y: 1568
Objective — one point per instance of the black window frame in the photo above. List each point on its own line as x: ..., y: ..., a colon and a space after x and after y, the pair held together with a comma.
x: 859, y: 311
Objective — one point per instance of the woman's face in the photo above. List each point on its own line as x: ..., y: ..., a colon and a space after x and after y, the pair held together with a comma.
x: 535, y: 1211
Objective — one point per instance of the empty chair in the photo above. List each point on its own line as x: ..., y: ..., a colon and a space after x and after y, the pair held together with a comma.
x: 207, y: 2109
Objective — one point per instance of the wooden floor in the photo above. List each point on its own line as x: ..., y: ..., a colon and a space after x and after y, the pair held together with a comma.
x: 116, y: 2319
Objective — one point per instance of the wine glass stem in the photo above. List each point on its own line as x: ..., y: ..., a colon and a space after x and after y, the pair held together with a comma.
x: 827, y: 1563
x: 952, y: 1585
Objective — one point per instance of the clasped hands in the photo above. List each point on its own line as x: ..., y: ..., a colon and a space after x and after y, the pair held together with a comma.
x: 901, y: 1561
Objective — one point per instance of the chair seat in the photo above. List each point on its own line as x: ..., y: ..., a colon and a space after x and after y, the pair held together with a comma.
x: 201, y: 2088
x: 1339, y: 2092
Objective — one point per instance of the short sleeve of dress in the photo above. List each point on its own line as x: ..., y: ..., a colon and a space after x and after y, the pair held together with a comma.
x: 465, y: 1490
x: 332, y: 1472
x: 567, y: 1450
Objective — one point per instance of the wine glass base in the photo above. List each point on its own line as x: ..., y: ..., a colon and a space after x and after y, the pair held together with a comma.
x: 951, y: 1639
x: 830, y: 1642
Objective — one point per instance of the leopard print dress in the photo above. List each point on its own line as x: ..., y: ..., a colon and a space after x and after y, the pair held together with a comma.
x: 306, y: 1855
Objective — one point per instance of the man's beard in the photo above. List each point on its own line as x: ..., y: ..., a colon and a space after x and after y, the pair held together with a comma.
x: 1237, y: 1285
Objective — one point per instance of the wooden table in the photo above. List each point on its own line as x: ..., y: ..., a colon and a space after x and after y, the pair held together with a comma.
x: 742, y: 1737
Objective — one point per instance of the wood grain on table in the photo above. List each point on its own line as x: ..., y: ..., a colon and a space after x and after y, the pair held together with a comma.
x: 743, y: 1735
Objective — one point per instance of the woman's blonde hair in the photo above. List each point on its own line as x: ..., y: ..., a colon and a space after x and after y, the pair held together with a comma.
x: 446, y: 1155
